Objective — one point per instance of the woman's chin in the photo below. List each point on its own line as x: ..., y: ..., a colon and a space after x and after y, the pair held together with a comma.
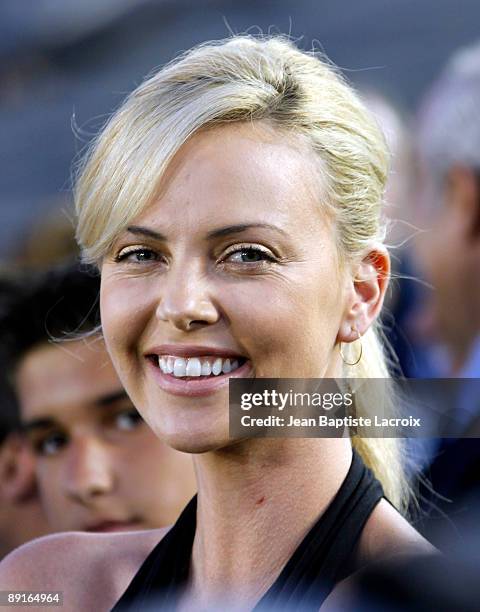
x: 196, y: 445
x: 196, y: 439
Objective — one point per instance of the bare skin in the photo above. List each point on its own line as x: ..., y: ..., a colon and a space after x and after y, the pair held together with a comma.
x: 87, y: 568
x: 262, y: 512
x: 68, y: 562
x: 286, y: 312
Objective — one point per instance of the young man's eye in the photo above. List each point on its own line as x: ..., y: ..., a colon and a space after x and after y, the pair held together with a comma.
x: 127, y: 420
x: 50, y: 445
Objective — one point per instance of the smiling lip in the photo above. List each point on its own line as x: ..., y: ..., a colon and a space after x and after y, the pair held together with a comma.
x: 179, y: 350
x: 112, y: 526
x: 198, y: 386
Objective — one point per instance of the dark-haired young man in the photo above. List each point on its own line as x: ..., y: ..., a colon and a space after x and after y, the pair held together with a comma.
x: 98, y: 465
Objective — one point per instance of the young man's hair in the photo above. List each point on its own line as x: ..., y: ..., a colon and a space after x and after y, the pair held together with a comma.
x: 9, y: 417
x: 37, y: 308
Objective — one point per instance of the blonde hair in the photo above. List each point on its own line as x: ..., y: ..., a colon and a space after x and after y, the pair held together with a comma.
x: 248, y: 79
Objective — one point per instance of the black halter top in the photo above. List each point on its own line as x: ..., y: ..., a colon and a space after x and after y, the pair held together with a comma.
x: 323, y: 558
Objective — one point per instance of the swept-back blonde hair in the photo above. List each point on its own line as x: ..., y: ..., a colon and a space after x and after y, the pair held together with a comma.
x: 248, y: 79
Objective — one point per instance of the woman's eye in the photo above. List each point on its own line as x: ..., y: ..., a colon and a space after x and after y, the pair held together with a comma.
x: 138, y: 255
x: 128, y: 420
x: 249, y: 255
x: 51, y: 444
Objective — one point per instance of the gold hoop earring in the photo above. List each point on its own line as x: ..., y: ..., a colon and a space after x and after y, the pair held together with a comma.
x: 359, y: 355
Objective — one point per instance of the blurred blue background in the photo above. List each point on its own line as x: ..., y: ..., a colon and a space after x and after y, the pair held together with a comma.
x: 64, y: 61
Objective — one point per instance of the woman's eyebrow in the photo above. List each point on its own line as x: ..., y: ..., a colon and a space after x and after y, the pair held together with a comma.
x: 217, y: 233
x: 145, y: 231
x: 242, y: 227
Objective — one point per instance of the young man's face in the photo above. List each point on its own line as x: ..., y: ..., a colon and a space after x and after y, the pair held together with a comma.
x: 99, y: 466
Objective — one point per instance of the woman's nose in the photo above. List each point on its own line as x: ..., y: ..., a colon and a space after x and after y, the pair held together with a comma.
x: 185, y: 301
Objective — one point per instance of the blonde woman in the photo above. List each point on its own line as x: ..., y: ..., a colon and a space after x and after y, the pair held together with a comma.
x: 233, y: 207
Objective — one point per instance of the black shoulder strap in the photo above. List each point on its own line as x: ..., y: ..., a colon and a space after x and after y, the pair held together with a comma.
x: 320, y: 560
x: 165, y: 570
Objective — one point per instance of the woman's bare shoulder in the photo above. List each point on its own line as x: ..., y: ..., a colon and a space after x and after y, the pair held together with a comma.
x: 387, y: 533
x: 92, y: 570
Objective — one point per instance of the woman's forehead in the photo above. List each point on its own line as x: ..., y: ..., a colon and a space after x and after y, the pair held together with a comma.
x: 239, y: 173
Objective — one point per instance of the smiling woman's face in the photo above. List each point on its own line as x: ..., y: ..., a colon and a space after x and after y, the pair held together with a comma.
x: 236, y: 259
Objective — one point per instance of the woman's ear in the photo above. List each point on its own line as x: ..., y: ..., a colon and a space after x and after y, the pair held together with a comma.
x: 366, y: 292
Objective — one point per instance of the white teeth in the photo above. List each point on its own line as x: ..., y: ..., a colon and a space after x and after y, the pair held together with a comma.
x: 180, y: 367
x: 194, y: 367
x: 217, y: 367
x: 206, y: 368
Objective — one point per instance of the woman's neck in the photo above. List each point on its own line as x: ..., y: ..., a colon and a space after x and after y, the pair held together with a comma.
x: 256, y: 502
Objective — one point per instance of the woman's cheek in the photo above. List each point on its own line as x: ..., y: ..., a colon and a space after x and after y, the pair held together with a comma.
x: 265, y: 329
x: 120, y: 323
